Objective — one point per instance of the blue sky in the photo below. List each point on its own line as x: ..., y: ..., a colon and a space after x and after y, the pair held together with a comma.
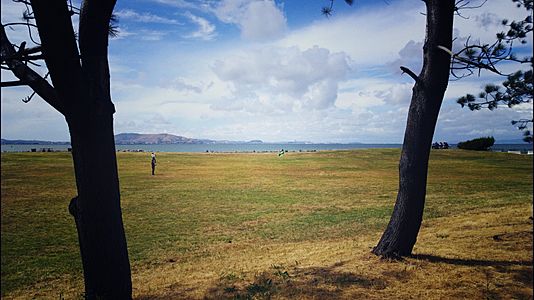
x: 273, y: 70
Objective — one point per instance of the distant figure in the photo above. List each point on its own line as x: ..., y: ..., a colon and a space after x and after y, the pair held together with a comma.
x: 440, y: 145
x: 281, y: 152
x: 153, y: 163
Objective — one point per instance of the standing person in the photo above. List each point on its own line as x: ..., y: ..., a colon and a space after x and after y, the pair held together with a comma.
x: 153, y: 163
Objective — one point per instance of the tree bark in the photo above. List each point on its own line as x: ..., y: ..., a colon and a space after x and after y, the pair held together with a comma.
x: 97, y: 210
x: 82, y: 83
x: 401, y: 233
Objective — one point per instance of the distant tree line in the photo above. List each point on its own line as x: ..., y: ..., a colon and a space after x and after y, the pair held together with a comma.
x: 480, y: 144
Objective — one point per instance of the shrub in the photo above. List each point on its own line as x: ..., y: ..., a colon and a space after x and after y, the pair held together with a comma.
x: 480, y: 144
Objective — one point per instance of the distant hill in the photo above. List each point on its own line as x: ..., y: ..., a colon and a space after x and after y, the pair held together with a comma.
x: 160, y: 138
x: 31, y: 142
x: 150, y: 139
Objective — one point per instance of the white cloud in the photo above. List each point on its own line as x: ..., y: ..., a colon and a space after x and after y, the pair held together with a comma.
x: 31, y: 120
x: 460, y: 124
x: 371, y: 92
x: 328, y: 80
x: 11, y: 12
x: 262, y: 20
x: 144, y: 17
x: 185, y: 84
x: 151, y: 35
x: 369, y: 36
x: 185, y: 4
x: 257, y: 19
x: 410, y: 56
x: 123, y: 32
x: 286, y: 79
x: 206, y: 30
x: 487, y: 19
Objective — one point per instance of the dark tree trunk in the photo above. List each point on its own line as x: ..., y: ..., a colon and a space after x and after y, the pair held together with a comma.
x: 401, y: 233
x: 97, y: 210
x: 84, y: 89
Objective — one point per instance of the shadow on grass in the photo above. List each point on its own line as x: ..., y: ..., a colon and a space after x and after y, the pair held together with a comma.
x: 311, y: 282
x: 174, y: 291
x: 471, y: 262
x: 329, y: 282
x: 280, y: 282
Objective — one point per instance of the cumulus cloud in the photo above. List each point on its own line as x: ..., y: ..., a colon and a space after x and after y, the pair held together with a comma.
x: 410, y: 56
x: 369, y: 37
x: 379, y: 104
x: 205, y: 31
x: 257, y: 19
x: 396, y: 94
x: 289, y: 79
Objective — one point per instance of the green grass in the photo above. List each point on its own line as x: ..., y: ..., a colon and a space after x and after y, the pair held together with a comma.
x: 198, y: 202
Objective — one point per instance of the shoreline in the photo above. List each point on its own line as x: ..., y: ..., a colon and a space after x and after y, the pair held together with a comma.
x: 520, y: 149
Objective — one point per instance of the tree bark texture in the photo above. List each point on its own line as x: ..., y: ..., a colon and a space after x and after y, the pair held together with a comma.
x: 401, y: 233
x: 83, y: 85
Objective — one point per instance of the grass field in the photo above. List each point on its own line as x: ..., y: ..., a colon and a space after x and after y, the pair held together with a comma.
x: 259, y: 226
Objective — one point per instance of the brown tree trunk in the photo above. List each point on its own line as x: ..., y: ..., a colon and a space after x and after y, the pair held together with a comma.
x: 401, y: 233
x: 84, y: 90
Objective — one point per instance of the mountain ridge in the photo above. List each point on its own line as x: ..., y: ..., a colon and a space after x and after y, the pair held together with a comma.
x: 138, y: 139
x: 156, y: 138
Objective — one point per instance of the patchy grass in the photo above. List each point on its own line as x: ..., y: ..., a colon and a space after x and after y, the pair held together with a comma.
x: 259, y: 226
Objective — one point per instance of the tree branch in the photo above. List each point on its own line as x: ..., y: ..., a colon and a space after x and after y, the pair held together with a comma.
x: 470, y: 63
x: 12, y: 83
x: 20, y: 24
x: 409, y: 72
x: 29, y: 76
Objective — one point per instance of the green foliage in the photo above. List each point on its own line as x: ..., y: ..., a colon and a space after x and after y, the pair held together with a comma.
x: 518, y: 86
x: 480, y: 144
x: 517, y: 89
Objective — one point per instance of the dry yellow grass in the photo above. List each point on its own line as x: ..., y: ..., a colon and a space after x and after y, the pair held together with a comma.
x: 255, y: 226
x: 484, y: 254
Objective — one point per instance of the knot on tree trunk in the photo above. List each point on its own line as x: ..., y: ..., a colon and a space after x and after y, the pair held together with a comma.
x: 73, y: 207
